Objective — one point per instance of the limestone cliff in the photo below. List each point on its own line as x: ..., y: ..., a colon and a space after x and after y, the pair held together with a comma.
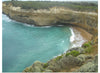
x: 53, y: 16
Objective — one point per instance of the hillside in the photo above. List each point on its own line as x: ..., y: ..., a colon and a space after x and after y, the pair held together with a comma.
x: 79, y: 6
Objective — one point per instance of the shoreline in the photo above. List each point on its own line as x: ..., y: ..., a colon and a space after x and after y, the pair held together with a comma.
x: 79, y: 37
x: 75, y: 31
x: 78, y: 31
x: 86, y: 35
x: 70, y: 60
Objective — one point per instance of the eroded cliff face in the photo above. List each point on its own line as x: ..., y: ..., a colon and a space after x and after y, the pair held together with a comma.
x: 53, y: 16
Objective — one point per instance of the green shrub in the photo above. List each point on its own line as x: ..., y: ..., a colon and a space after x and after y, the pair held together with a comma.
x: 58, y: 58
x: 73, y: 53
x: 67, y: 54
x: 89, y: 42
x: 88, y: 50
x: 45, y: 65
x: 86, y: 45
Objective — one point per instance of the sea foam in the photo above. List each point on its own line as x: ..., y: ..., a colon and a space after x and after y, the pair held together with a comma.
x: 4, y: 17
x: 72, y: 36
x: 76, y: 38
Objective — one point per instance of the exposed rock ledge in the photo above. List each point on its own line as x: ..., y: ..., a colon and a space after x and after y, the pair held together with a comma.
x: 53, y: 16
x: 70, y: 63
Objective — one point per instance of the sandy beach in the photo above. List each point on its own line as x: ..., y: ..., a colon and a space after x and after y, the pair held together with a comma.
x: 79, y: 37
x: 87, y: 36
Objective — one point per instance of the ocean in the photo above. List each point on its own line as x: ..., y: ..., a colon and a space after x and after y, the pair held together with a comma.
x: 23, y: 44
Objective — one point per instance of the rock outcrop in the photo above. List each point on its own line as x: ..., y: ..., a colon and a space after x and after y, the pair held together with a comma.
x: 90, y: 66
x: 66, y: 63
x: 52, y: 16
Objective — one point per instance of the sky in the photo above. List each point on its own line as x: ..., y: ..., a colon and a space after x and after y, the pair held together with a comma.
x: 54, y: 0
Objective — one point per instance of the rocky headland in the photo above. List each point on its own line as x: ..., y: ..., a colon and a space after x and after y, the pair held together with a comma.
x: 78, y: 59
x: 67, y: 63
x: 53, y: 16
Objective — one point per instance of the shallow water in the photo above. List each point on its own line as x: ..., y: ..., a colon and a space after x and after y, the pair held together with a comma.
x: 22, y: 45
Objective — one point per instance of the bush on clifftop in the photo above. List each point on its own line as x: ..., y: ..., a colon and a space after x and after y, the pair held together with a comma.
x: 58, y: 58
x: 90, y: 47
x: 87, y: 45
x: 73, y: 53
x: 45, y: 65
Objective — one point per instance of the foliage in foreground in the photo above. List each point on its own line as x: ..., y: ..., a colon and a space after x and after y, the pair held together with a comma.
x: 45, y: 65
x: 85, y: 45
x: 58, y: 58
x: 90, y: 47
x: 73, y: 53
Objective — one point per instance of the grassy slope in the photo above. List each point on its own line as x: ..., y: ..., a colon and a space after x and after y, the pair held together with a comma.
x: 81, y: 6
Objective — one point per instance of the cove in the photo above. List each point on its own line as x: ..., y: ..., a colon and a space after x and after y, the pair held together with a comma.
x: 23, y: 44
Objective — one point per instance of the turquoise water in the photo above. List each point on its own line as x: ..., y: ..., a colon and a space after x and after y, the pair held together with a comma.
x: 22, y: 45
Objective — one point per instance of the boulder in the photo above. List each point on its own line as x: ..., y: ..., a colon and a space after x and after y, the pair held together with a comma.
x: 37, y: 63
x: 96, y: 59
x: 36, y: 69
x: 37, y: 66
x: 65, y: 62
x: 28, y: 69
x: 91, y: 66
x: 89, y: 57
x: 82, y: 57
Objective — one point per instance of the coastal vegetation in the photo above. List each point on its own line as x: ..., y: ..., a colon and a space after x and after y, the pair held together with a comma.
x: 78, y: 59
x: 87, y: 44
x: 90, y: 47
x: 73, y: 53
x: 58, y: 57
x: 79, y: 6
x: 45, y: 65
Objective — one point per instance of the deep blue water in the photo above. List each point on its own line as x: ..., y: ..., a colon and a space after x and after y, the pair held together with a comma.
x: 22, y: 45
